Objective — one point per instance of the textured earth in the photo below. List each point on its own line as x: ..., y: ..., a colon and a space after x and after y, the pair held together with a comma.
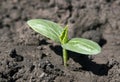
x: 26, y: 56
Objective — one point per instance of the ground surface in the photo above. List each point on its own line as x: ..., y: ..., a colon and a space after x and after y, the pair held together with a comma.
x: 26, y: 56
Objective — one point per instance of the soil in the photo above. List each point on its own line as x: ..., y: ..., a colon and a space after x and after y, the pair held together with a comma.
x: 26, y: 56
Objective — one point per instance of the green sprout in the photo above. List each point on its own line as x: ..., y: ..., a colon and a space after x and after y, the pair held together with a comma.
x: 60, y: 35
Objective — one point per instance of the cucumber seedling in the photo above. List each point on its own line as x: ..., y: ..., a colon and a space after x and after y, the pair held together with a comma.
x: 55, y: 32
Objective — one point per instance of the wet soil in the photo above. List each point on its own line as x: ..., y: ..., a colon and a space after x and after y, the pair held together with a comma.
x: 26, y: 56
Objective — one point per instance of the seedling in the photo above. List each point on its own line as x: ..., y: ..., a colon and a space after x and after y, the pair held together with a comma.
x: 55, y: 32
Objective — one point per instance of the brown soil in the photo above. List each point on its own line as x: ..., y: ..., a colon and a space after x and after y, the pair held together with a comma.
x: 26, y: 56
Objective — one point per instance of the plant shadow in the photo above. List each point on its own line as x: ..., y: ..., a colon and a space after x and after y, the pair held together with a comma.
x: 86, y: 63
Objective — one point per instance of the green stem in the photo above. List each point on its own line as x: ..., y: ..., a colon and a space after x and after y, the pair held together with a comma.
x: 65, y: 57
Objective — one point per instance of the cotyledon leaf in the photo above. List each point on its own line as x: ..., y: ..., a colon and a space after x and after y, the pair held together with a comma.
x: 47, y: 28
x: 83, y: 46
